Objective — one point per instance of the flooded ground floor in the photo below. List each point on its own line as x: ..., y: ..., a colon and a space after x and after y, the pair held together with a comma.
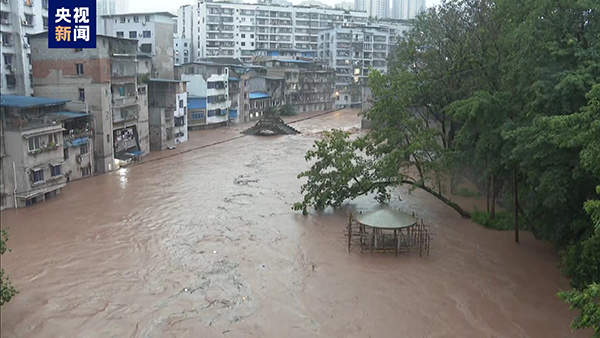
x: 201, y: 242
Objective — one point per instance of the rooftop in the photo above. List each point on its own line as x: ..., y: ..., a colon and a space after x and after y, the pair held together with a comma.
x: 273, y: 77
x: 18, y: 101
x: 97, y: 35
x: 292, y: 61
x: 141, y: 13
x: 258, y: 95
x: 152, y: 79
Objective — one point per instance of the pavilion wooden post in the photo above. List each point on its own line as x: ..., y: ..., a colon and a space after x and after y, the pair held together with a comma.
x: 397, y: 241
x: 372, y: 241
x: 349, y: 231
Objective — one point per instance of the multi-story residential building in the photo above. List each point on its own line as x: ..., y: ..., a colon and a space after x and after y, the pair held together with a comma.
x: 353, y: 50
x: 217, y: 82
x: 379, y: 9
x: 103, y: 82
x: 104, y: 7
x: 259, y: 93
x: 309, y: 84
x: 222, y: 29
x: 154, y: 33
x: 168, y: 113
x: 18, y: 18
x: 43, y: 146
x: 407, y: 9
x: 182, y: 35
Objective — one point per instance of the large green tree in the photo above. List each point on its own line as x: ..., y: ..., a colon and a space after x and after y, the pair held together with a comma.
x: 7, y: 290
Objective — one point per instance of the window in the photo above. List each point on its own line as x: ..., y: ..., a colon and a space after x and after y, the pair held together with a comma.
x: 28, y: 20
x: 251, y: 36
x: 243, y: 43
x: 8, y: 59
x: 53, y: 139
x: 11, y: 81
x: 252, y: 44
x: 185, y: 44
x: 6, y: 39
x: 146, y: 34
x: 136, y: 18
x: 45, y: 4
x: 37, y: 175
x: 120, y: 34
x: 55, y: 170
x: 79, y: 68
x: 122, y: 19
x: 147, y: 18
x: 34, y: 143
x: 77, y: 50
x: 243, y: 35
x: 133, y: 34
x: 81, y: 94
x: 66, y: 153
x: 83, y: 149
x: 85, y: 172
x: 29, y: 59
x: 180, y: 103
x: 45, y: 21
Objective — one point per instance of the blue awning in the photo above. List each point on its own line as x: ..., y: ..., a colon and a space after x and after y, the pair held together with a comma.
x: 233, y: 79
x: 68, y: 114
x: 136, y: 152
x: 258, y: 95
x: 195, y: 102
x: 18, y: 101
x: 79, y: 141
x: 233, y: 113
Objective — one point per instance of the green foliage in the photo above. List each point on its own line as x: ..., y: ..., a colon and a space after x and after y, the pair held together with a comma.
x: 287, y: 110
x: 7, y: 290
x: 467, y: 193
x: 587, y: 301
x: 143, y: 78
x: 271, y: 112
x: 503, y: 221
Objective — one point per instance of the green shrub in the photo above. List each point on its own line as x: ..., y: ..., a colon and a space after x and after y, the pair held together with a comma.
x: 503, y: 221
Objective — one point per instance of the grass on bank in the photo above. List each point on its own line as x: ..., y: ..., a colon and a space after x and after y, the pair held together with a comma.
x: 503, y: 221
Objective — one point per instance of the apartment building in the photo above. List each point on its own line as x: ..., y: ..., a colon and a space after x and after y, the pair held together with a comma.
x: 18, y: 18
x: 214, y: 84
x: 154, y: 33
x: 222, y: 29
x: 167, y: 113
x: 103, y: 82
x: 182, y: 35
x: 407, y: 9
x: 259, y: 93
x: 104, y: 7
x: 353, y: 51
x: 309, y: 84
x: 43, y: 147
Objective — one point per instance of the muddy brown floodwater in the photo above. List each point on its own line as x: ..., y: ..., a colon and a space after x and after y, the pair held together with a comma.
x: 204, y: 244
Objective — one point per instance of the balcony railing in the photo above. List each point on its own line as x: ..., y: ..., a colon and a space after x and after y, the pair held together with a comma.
x: 78, y: 134
x: 122, y: 101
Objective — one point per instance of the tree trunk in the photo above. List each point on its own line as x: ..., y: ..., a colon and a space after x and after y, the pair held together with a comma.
x: 516, y: 204
x: 487, y: 194
x: 453, y: 205
x: 493, y: 201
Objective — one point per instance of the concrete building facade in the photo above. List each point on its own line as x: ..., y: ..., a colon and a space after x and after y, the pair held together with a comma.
x: 167, y: 113
x: 103, y: 82
x: 154, y: 33
x: 43, y: 147
x: 407, y: 9
x: 104, y: 7
x: 352, y: 51
x: 309, y: 84
x: 220, y: 29
x: 18, y: 18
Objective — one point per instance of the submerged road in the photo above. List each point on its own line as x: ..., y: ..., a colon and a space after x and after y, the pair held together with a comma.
x: 204, y: 244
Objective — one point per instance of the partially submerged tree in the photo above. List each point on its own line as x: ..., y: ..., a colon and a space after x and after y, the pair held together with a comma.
x: 7, y: 290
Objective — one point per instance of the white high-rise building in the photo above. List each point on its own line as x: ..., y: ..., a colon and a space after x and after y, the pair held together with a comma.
x: 407, y: 9
x: 374, y: 8
x: 19, y: 18
x: 106, y: 7
x: 246, y: 30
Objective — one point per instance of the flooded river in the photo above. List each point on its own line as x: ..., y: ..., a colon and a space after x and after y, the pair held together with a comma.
x: 204, y: 244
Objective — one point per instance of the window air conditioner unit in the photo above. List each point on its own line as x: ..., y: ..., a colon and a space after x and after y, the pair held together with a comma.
x: 144, y: 23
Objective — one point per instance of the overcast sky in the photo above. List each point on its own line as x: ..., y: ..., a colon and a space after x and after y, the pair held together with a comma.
x: 173, y: 5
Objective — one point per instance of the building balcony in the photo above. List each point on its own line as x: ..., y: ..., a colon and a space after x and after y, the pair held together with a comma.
x: 123, y: 116
x: 124, y: 101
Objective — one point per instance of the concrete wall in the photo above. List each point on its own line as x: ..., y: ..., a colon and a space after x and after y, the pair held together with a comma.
x: 164, y: 55
x: 143, y: 119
